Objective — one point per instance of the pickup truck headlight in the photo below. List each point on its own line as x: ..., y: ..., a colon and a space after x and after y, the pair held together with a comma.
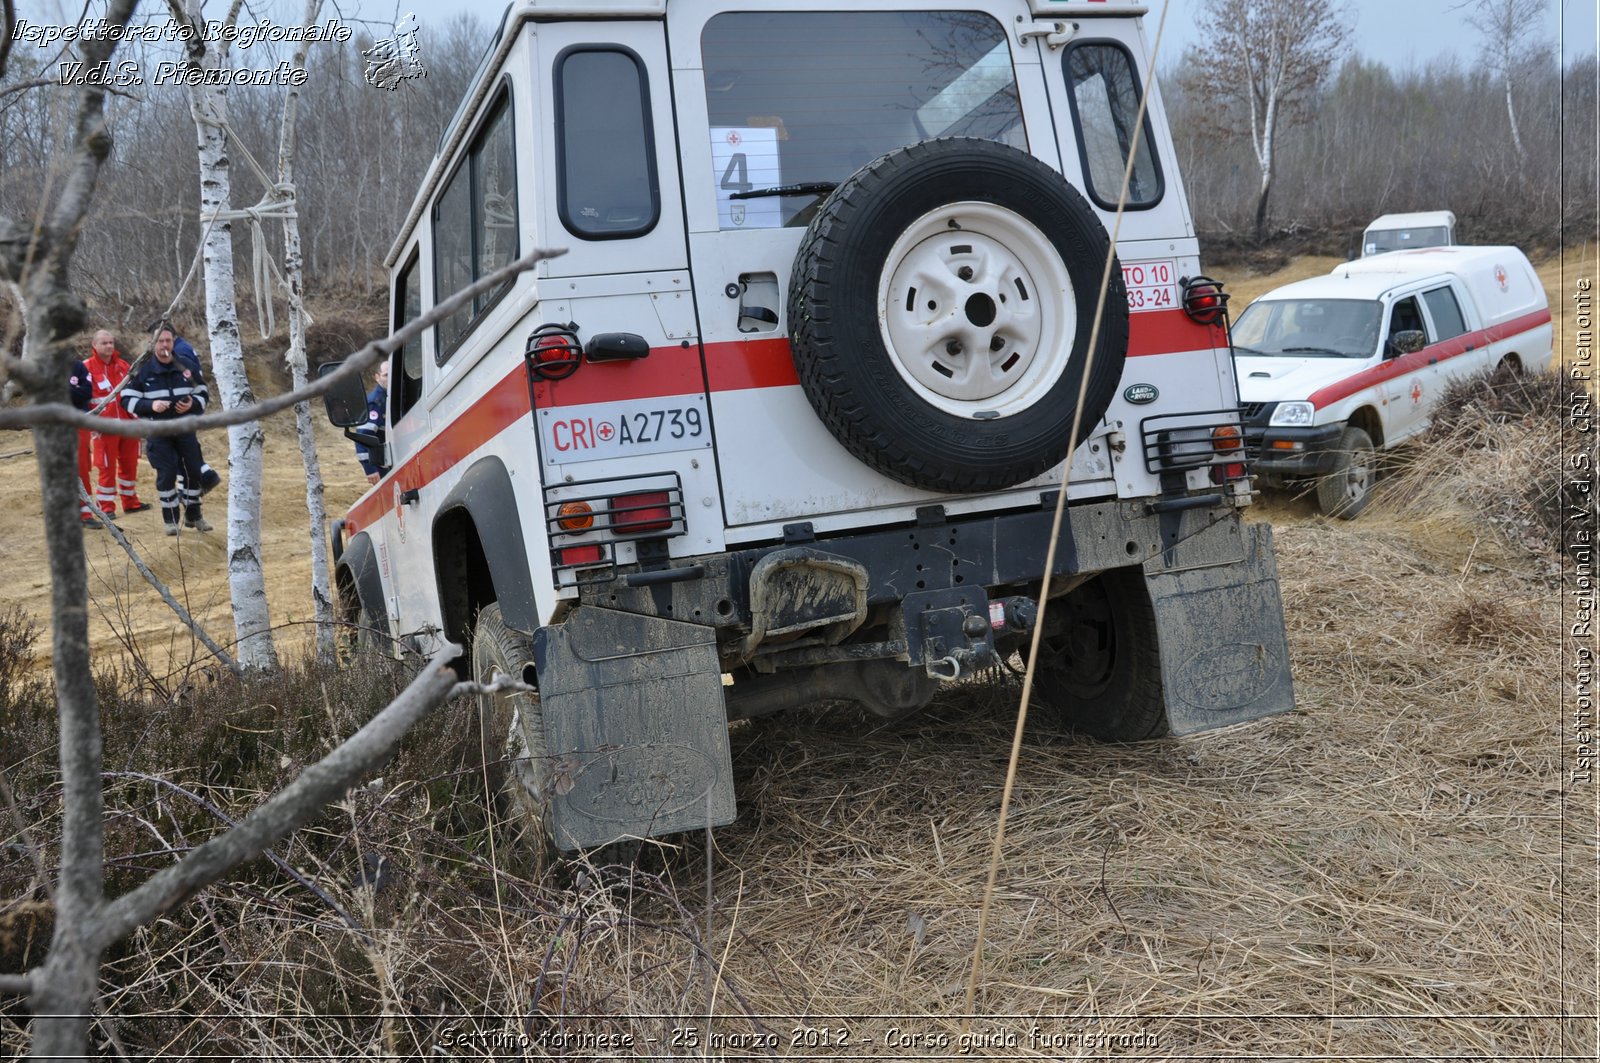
x: 1292, y: 415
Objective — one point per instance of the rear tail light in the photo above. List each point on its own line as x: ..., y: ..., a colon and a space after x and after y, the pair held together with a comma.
x: 1226, y: 440
x: 552, y: 352
x: 588, y: 554
x: 641, y: 512
x: 1204, y: 300
x: 575, y: 516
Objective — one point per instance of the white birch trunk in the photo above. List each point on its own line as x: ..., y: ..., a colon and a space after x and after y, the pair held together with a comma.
x: 316, y: 509
x: 246, y: 583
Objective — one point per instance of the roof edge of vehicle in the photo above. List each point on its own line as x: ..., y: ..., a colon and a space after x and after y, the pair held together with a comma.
x: 520, y: 11
x: 1371, y: 277
x: 1416, y: 219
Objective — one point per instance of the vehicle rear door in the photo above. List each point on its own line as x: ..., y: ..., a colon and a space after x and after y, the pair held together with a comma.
x: 805, y: 97
x: 636, y: 413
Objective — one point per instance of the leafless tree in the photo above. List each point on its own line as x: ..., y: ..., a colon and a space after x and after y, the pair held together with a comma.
x: 1511, y: 41
x: 246, y: 442
x: 316, y: 509
x: 1268, y: 58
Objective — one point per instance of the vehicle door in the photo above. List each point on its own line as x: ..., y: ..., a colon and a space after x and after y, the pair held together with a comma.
x: 1454, y: 352
x: 775, y: 109
x: 636, y: 413
x: 1406, y: 378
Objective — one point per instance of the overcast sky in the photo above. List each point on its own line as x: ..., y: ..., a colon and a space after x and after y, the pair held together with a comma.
x: 1399, y: 33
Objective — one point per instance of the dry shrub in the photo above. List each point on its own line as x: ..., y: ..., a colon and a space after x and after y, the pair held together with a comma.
x: 337, y: 335
x: 1500, y: 448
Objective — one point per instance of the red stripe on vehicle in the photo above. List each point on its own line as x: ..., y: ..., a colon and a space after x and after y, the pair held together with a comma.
x: 746, y: 364
x: 1171, y: 332
x: 737, y: 365
x: 502, y: 406
x: 664, y: 371
x: 1436, y: 352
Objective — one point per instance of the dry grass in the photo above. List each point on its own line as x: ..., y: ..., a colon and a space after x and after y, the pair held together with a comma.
x: 1398, y: 870
x: 1378, y: 874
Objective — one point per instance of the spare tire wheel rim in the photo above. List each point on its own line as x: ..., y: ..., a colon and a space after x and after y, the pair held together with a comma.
x: 978, y: 310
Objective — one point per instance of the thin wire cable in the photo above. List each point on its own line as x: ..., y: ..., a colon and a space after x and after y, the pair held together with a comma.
x: 1055, y: 538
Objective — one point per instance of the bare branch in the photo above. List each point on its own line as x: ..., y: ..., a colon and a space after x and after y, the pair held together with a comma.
x: 56, y: 413
x: 161, y: 588
x: 319, y: 785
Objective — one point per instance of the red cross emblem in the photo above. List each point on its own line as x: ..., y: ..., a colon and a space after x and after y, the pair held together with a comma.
x: 734, y: 138
x: 1416, y: 392
x: 1500, y: 277
x: 604, y: 431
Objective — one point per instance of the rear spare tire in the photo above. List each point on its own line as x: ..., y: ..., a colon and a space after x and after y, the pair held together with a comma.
x: 940, y: 309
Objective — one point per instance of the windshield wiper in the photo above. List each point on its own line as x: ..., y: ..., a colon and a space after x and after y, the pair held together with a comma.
x: 1237, y: 347
x: 809, y: 188
x: 1312, y: 350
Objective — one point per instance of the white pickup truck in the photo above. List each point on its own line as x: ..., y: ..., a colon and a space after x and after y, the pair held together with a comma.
x: 1335, y: 368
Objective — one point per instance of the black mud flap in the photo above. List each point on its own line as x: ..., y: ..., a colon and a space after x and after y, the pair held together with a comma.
x: 635, y: 727
x: 1224, y: 653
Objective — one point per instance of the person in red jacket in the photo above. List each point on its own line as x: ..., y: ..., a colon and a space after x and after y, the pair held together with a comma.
x: 116, y: 457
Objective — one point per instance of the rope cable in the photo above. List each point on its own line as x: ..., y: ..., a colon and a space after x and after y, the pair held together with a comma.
x: 1055, y: 538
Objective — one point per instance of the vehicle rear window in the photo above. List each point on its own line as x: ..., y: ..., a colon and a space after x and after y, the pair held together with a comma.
x: 1446, y: 313
x: 606, y: 159
x: 1105, y: 109
x: 811, y: 97
x: 1381, y: 240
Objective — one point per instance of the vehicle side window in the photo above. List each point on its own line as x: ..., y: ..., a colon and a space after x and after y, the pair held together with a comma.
x: 1446, y: 313
x: 405, y: 366
x: 605, y: 154
x: 1406, y: 316
x: 475, y: 223
x: 1105, y: 104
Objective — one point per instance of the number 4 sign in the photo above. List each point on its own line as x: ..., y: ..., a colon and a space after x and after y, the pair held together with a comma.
x: 743, y: 159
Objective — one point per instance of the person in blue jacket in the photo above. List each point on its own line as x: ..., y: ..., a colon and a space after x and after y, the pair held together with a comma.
x: 370, y: 446
x: 209, y: 477
x: 164, y: 388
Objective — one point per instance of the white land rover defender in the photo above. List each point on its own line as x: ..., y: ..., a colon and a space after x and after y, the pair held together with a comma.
x: 789, y: 419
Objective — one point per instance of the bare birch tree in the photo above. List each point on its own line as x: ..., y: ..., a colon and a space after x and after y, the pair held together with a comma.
x: 1268, y: 58
x: 316, y: 509
x: 209, y: 103
x: 1511, y: 38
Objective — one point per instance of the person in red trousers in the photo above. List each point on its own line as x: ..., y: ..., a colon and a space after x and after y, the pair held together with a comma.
x: 116, y: 457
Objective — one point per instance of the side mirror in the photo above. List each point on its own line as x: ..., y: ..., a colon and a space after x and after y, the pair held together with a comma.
x: 346, y: 404
x: 1408, y: 342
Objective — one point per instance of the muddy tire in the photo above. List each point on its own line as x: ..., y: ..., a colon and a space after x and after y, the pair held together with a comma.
x: 1345, y: 491
x: 511, y: 747
x: 940, y: 309
x: 1102, y: 670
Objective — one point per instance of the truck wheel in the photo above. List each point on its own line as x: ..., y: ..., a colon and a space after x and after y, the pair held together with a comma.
x: 940, y: 312
x: 1344, y: 492
x: 1102, y: 670
x: 511, y: 745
